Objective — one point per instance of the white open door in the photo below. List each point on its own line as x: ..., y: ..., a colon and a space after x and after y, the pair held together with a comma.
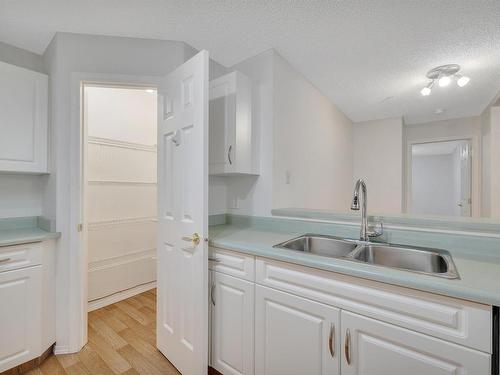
x: 182, y: 321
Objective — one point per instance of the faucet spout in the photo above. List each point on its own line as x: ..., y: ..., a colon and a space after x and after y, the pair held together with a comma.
x: 360, y: 185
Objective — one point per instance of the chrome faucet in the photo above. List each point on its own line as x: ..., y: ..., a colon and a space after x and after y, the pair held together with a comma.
x: 364, y: 233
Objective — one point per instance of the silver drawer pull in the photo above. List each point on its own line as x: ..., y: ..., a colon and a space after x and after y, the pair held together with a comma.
x: 347, y: 346
x: 212, y: 290
x: 216, y: 260
x: 331, y: 340
x: 229, y: 154
x: 6, y: 260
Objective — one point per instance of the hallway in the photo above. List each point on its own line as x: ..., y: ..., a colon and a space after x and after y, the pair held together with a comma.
x: 121, y: 341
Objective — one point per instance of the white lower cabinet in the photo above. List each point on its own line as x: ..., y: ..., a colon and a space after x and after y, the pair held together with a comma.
x: 372, y: 347
x: 20, y: 316
x: 295, y: 336
x: 303, y: 323
x: 232, y: 317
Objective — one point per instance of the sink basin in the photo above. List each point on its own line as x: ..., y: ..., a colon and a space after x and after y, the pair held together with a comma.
x: 320, y: 245
x: 423, y: 260
x: 416, y: 259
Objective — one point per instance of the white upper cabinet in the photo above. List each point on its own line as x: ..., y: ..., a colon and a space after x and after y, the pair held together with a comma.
x: 232, y: 149
x: 23, y: 120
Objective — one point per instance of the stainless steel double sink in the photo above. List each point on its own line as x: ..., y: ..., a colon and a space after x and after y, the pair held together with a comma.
x: 428, y: 261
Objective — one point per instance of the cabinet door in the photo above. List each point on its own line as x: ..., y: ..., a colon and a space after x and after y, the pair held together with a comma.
x: 222, y: 117
x: 232, y: 325
x: 295, y: 336
x: 20, y: 316
x: 371, y: 347
x: 23, y: 120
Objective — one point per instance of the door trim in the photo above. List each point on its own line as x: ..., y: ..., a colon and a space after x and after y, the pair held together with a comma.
x: 475, y: 186
x: 74, y: 302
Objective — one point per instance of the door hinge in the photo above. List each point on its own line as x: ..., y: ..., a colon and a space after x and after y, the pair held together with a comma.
x: 79, y: 227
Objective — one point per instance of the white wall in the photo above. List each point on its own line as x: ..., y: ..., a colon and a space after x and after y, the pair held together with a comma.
x: 462, y: 128
x: 434, y: 191
x: 378, y: 159
x: 312, y: 145
x: 68, y: 54
x: 486, y: 163
x: 120, y: 188
x: 21, y: 195
x: 495, y: 162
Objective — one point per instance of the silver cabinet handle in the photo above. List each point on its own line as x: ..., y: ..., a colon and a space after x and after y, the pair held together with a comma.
x: 216, y: 260
x: 229, y: 154
x: 331, y: 340
x: 212, y: 294
x: 347, y: 346
x: 4, y: 260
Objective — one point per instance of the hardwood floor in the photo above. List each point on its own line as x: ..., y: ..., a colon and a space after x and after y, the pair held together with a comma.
x: 122, y: 340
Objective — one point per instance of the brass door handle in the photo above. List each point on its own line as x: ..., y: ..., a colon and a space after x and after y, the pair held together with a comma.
x: 347, y: 346
x: 331, y: 340
x: 195, y: 238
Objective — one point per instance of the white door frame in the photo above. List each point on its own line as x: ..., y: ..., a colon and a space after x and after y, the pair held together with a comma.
x: 77, y: 307
x: 475, y: 186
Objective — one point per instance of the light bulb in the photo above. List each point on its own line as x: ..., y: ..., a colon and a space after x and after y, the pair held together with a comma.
x: 462, y: 81
x: 426, y: 91
x: 444, y: 81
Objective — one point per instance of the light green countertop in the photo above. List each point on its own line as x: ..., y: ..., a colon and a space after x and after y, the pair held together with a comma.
x: 479, y: 274
x: 18, y: 231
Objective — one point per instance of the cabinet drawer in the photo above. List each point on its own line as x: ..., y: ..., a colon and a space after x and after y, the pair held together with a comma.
x: 232, y: 263
x: 465, y: 323
x: 20, y: 256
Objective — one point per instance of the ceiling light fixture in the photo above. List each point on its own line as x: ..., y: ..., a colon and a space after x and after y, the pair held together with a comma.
x: 427, y: 89
x: 443, y: 75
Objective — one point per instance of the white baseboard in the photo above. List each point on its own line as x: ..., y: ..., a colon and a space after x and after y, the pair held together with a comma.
x: 116, y: 297
x: 61, y: 349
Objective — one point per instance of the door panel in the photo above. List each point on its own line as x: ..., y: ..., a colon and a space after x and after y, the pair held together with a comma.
x: 182, y: 331
x: 377, y: 348
x: 232, y: 325
x: 295, y: 336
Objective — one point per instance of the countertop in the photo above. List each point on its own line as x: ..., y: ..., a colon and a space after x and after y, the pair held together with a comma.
x: 479, y: 276
x: 19, y: 236
x: 16, y: 231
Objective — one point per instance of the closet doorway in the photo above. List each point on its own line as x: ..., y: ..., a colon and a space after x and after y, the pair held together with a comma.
x: 119, y: 190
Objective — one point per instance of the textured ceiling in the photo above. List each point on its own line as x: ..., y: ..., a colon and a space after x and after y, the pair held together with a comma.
x: 369, y: 56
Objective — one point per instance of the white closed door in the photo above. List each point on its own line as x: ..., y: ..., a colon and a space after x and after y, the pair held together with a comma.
x: 295, y: 336
x: 182, y: 318
x: 20, y: 316
x: 371, y: 347
x: 232, y: 325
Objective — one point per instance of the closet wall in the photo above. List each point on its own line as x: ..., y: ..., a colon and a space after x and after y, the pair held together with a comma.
x: 120, y: 189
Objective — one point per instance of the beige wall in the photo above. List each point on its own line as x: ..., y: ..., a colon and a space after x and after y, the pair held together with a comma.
x: 312, y: 145
x: 378, y: 159
x: 491, y: 162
